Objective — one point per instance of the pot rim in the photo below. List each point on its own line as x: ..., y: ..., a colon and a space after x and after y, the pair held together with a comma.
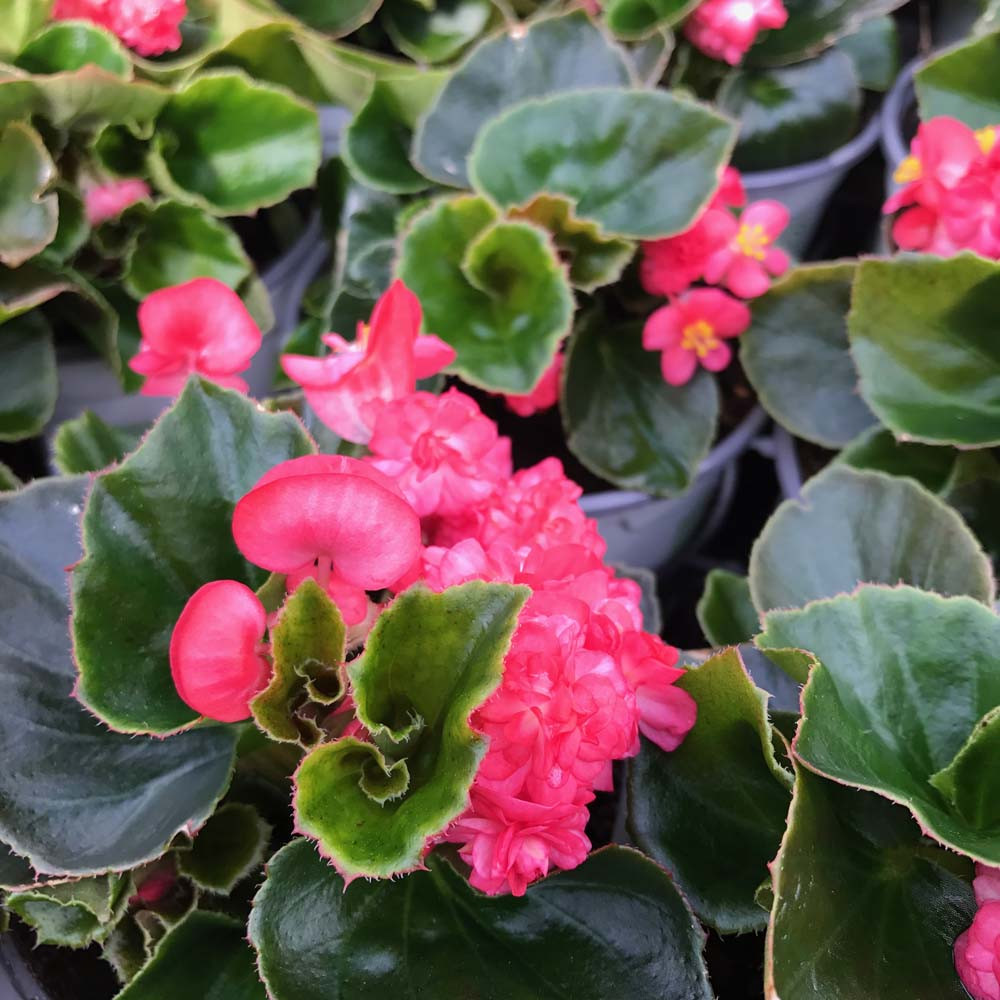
x: 896, y: 102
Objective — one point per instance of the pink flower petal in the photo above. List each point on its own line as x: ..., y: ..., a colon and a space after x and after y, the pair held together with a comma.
x: 431, y: 354
x: 717, y: 358
x: 663, y: 329
x: 678, y: 365
x: 772, y: 215
x: 747, y: 278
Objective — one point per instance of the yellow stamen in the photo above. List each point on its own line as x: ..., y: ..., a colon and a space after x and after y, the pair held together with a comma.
x: 910, y: 170
x: 753, y: 241
x: 699, y: 337
x: 987, y: 139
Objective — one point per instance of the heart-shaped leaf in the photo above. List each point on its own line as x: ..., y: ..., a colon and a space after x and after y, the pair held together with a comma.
x: 430, y: 660
x: 28, y: 381
x: 960, y: 83
x: 72, y: 914
x: 613, y: 153
x: 856, y: 527
x: 924, y: 339
x: 130, y: 796
x: 495, y: 290
x: 233, y: 146
x: 863, y: 906
x: 715, y: 836
x: 902, y: 680
x: 553, y: 55
x: 227, y: 848
x: 879, y: 450
x: 633, y: 19
x: 71, y: 45
x: 623, y: 421
x: 437, y: 33
x: 615, y: 926
x: 726, y: 612
x: 155, y: 529
x: 28, y: 217
x: 796, y: 355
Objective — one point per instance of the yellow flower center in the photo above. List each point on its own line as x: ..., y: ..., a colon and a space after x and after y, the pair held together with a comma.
x: 987, y: 139
x: 753, y: 241
x: 910, y: 170
x: 699, y: 337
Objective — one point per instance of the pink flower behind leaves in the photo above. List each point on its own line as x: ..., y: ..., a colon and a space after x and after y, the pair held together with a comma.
x: 977, y: 950
x: 107, y: 201
x: 726, y: 29
x: 746, y: 264
x: 200, y: 327
x: 151, y: 27
x: 692, y: 331
x: 348, y: 388
x: 543, y: 396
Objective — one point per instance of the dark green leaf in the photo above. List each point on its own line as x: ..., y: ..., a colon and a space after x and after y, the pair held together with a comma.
x: 726, y: 612
x: 639, y: 18
x: 71, y: 45
x: 227, y: 848
x: 961, y: 83
x: 439, y: 33
x: 969, y: 782
x: 874, y: 50
x: 14, y: 870
x: 88, y: 444
x: 73, y: 229
x: 28, y: 217
x: 339, y: 18
x: 974, y: 491
x: 28, y: 382
x: 878, y: 449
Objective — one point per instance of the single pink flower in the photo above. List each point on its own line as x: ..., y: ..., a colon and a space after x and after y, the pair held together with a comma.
x: 749, y: 260
x: 726, y: 29
x: 200, y: 327
x: 348, y: 388
x: 106, y: 201
x: 216, y: 651
x: 444, y: 454
x: 977, y: 954
x: 151, y: 27
x: 692, y: 330
x: 543, y: 396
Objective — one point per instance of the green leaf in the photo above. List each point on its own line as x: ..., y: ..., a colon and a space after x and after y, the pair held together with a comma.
x: 14, y: 870
x: 155, y: 529
x: 71, y: 45
x: 233, y: 146
x: 72, y: 914
x: 874, y: 50
x: 612, y: 153
x: 725, y: 612
x: 924, y: 339
x: 340, y: 18
x: 878, y: 449
x: 227, y: 848
x: 495, y: 290
x: 623, y: 421
x: 21, y: 19
x: 179, y: 242
x: 613, y: 927
x: 792, y: 114
x: 429, y: 662
x: 863, y: 906
x: 129, y: 796
x: 960, y: 83
x: 551, y: 56
x: 633, y: 19
x: 716, y: 837
x: 969, y: 782
x: 903, y: 678
x: 307, y: 645
x: 73, y: 229
x: 88, y: 444
x: 28, y: 381
x: 812, y: 26
x: 206, y: 955
x: 974, y: 491
x: 853, y: 527
x: 437, y: 34
x: 28, y: 217
x: 25, y: 287
x: 796, y: 355
x: 8, y: 481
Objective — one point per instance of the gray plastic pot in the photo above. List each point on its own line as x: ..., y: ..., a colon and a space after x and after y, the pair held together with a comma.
x: 895, y: 143
x: 648, y: 532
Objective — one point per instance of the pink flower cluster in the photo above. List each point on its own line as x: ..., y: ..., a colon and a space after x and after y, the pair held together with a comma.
x: 151, y: 27
x: 977, y: 951
x: 950, y: 199
x: 725, y: 29
x: 738, y: 254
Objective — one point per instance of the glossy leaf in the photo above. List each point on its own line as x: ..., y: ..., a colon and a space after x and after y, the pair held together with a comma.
x: 206, y: 955
x: 88, y: 444
x: 156, y: 528
x: 613, y: 153
x: 553, y: 55
x: 874, y: 51
x: 960, y: 83
x: 340, y: 18
x: 726, y: 612
x: 233, y: 146
x: 854, y: 527
x: 797, y: 358
x: 28, y: 216
x: 792, y: 114
x: 495, y: 290
x: 639, y: 18
x: 22, y: 19
x: 863, y: 906
x: 25, y: 287
x: 71, y: 45
x: 624, y: 422
x: 129, y: 796
x: 227, y: 848
x: 903, y: 679
x: 28, y: 381
x: 437, y: 33
x: 429, y: 662
x: 615, y: 926
x: 72, y: 914
x: 923, y: 337
x: 715, y: 836
x: 877, y: 449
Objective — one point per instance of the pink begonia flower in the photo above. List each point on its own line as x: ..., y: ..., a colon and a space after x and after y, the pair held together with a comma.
x: 443, y: 452
x: 151, y: 27
x: 216, y: 651
x: 691, y: 331
x: 543, y: 396
x: 726, y: 29
x: 749, y: 260
x: 107, y: 201
x: 200, y: 327
x: 977, y: 950
x: 348, y: 388
x: 332, y: 518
